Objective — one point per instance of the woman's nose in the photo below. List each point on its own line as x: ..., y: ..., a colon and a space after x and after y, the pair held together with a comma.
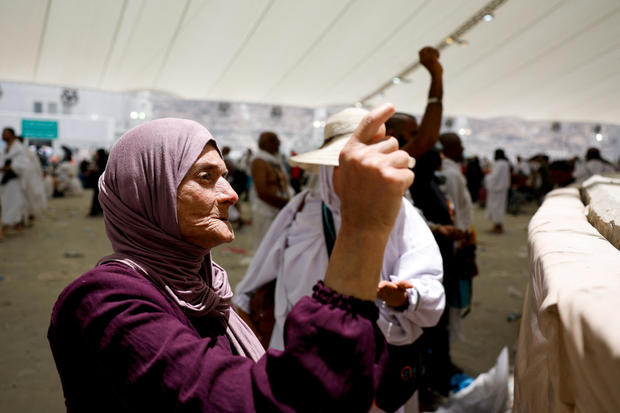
x: 226, y: 193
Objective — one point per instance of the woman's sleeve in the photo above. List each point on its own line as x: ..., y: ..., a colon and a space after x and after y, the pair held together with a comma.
x: 156, y: 362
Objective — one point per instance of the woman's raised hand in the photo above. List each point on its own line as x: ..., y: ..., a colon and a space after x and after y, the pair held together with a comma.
x: 374, y: 175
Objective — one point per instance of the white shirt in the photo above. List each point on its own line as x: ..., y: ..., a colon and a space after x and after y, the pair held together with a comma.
x: 456, y: 190
x: 294, y: 253
x: 499, y: 177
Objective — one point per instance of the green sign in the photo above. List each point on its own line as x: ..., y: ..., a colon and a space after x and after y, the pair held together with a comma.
x: 39, y: 129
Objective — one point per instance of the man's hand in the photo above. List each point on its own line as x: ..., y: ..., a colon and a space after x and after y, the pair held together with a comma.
x: 429, y: 58
x: 451, y: 232
x: 393, y: 293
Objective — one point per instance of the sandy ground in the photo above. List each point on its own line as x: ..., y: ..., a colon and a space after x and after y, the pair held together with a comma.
x: 36, y: 265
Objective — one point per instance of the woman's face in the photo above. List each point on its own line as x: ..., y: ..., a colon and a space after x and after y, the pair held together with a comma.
x: 203, y: 199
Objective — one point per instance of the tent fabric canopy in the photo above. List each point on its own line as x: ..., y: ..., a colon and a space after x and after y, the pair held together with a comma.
x: 552, y: 59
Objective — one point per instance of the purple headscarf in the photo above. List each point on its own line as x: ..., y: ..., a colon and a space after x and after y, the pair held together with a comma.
x: 138, y: 194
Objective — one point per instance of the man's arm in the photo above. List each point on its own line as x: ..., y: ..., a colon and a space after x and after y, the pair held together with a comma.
x: 428, y: 132
x: 265, y: 191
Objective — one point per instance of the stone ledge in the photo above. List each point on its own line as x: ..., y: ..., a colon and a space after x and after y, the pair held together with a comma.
x: 601, y: 195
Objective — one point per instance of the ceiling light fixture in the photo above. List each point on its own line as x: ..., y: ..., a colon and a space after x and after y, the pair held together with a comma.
x: 599, y: 137
x: 483, y: 14
x: 133, y: 115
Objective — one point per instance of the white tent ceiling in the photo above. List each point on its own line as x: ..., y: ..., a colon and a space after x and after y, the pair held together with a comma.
x: 538, y: 59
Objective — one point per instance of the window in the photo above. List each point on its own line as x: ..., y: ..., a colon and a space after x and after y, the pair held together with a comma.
x: 52, y: 107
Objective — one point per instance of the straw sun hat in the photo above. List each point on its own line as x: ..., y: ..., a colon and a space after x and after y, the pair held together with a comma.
x: 338, y: 129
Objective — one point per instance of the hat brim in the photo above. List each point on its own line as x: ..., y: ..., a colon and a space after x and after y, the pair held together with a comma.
x: 327, y: 155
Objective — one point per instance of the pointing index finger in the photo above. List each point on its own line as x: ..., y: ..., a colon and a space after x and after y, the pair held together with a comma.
x: 371, y: 125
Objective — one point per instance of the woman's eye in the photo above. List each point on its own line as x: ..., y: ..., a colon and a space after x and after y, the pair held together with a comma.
x: 204, y: 176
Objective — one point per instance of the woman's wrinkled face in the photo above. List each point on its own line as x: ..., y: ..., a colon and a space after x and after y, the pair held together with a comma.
x: 203, y: 199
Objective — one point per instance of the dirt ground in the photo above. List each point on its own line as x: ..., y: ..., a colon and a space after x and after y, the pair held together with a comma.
x: 36, y: 265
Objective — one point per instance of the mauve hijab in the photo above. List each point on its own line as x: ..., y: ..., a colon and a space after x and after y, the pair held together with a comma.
x: 138, y: 194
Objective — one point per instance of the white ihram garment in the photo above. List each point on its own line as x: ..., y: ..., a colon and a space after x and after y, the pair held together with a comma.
x: 456, y: 190
x: 497, y: 183
x: 67, y: 180
x: 294, y: 252
x: 12, y: 194
x: 36, y: 198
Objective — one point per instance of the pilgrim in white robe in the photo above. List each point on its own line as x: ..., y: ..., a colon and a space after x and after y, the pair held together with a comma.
x: 12, y: 194
x: 67, y: 181
x: 455, y: 188
x: 294, y: 254
x: 36, y: 198
x: 497, y: 183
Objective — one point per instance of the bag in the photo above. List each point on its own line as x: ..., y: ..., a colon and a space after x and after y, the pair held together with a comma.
x: 465, y: 261
x: 9, y: 174
x: 401, y: 376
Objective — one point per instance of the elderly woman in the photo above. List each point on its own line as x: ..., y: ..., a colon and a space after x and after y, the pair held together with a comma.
x: 151, y: 327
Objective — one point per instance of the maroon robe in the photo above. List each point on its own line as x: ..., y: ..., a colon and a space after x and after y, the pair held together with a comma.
x: 122, y: 345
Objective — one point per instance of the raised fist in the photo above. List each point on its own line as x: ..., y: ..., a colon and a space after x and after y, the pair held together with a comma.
x: 429, y: 58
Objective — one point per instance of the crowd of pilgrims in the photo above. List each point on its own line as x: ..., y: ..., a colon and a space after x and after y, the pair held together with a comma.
x: 31, y: 174
x: 529, y: 179
x: 430, y: 258
x: 269, y: 184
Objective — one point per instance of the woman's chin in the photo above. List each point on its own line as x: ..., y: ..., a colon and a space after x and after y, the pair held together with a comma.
x: 230, y: 237
x: 227, y: 234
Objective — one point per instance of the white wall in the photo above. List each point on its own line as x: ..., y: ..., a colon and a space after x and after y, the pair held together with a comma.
x: 243, y: 122
x: 20, y: 97
x: 90, y: 124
